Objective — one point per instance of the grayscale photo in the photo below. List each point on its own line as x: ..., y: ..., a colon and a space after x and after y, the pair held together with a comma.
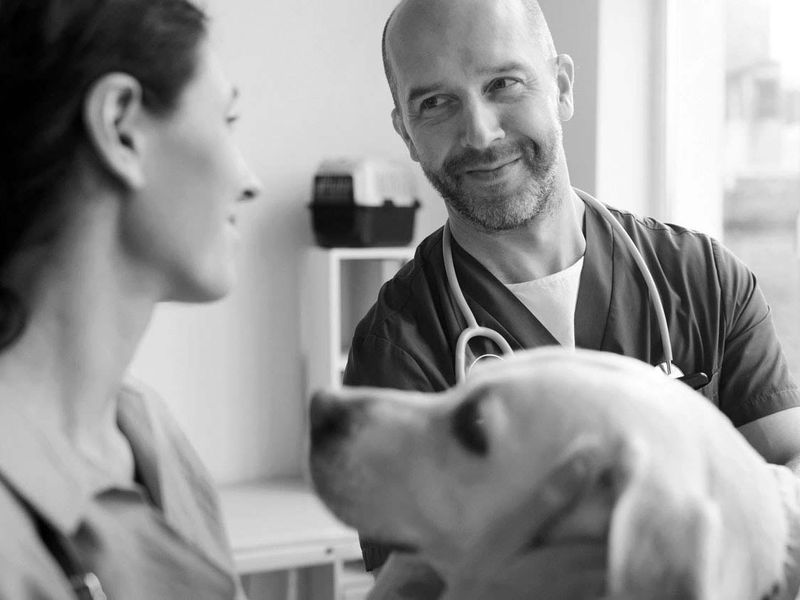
x: 399, y: 300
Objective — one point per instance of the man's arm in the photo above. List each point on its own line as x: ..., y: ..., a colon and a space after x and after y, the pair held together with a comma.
x: 777, y: 437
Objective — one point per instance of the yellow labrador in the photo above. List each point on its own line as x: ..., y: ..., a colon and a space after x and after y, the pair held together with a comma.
x: 689, y: 510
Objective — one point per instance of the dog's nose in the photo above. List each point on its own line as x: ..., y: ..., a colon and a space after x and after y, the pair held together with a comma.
x: 330, y: 418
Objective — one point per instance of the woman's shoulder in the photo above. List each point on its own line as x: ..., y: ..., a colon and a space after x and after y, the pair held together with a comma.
x: 28, y: 570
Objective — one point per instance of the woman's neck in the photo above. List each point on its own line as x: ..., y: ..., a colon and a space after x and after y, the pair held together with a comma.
x: 86, y: 314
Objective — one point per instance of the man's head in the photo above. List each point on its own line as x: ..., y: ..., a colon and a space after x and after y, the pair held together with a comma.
x: 479, y: 95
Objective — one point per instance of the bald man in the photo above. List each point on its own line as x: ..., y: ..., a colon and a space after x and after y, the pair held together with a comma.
x: 480, y: 97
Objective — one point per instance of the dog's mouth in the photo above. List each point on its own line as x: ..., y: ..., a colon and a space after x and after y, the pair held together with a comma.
x: 393, y: 545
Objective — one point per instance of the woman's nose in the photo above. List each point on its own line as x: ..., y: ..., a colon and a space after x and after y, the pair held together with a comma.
x: 252, y: 184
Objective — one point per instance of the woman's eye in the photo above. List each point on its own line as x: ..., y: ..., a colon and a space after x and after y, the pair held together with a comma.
x: 469, y: 428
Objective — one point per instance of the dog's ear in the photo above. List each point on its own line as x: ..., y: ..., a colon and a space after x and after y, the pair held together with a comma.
x: 659, y: 548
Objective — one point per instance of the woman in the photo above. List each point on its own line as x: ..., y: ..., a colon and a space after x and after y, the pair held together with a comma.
x: 119, y: 180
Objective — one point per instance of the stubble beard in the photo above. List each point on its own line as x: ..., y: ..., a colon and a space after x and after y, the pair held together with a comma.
x: 501, y: 210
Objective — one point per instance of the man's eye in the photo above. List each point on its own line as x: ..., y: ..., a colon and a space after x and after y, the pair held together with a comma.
x: 431, y: 103
x: 501, y: 83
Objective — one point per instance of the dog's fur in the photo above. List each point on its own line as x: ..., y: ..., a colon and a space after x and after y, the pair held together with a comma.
x: 689, y: 509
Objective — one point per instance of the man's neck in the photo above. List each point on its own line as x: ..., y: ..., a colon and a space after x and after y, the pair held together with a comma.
x: 549, y: 244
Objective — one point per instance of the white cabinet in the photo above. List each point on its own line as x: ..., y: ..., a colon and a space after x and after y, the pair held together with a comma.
x: 338, y: 287
x: 287, y: 546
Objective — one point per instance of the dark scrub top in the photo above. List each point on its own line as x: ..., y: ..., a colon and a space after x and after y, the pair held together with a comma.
x: 719, y: 322
x: 158, y: 537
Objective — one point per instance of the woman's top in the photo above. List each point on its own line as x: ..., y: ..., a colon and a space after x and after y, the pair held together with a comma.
x: 160, y: 536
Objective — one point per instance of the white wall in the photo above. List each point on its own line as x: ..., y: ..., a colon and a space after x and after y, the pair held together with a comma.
x: 574, y: 25
x: 312, y: 87
x: 627, y: 123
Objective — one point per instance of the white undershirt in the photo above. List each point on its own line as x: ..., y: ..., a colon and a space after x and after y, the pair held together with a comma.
x: 552, y: 300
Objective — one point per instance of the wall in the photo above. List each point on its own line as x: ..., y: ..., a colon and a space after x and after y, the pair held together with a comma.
x: 615, y: 142
x: 575, y: 28
x: 627, y: 123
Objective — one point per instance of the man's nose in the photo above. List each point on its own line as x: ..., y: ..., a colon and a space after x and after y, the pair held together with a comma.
x: 481, y: 125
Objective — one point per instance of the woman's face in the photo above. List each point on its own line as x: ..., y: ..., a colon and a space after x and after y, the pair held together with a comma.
x: 181, y: 227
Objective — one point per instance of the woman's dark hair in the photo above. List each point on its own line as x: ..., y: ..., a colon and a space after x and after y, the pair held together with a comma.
x: 51, y: 52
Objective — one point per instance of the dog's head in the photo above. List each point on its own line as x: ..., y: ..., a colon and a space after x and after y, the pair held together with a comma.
x: 680, y: 489
x: 430, y: 471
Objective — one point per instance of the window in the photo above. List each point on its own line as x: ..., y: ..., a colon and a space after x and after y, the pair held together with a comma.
x: 762, y: 154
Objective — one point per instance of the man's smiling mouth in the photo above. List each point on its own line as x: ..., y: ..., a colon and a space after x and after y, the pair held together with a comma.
x: 492, y: 171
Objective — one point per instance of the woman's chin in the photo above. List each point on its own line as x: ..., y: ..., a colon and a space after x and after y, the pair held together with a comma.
x: 208, y: 289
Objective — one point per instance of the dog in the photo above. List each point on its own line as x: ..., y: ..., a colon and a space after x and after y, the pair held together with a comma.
x: 685, y: 506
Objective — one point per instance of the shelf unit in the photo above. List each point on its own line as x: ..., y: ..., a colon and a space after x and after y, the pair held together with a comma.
x: 338, y: 287
x: 287, y: 545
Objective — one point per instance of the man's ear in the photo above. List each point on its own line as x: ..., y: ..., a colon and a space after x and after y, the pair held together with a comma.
x: 565, y: 77
x: 400, y: 128
x: 112, y: 113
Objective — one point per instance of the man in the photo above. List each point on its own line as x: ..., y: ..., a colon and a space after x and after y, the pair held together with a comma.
x: 480, y: 95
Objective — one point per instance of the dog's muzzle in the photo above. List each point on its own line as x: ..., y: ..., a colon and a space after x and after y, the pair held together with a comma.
x: 332, y: 420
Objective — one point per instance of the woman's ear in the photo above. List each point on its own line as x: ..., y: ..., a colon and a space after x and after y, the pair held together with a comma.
x: 400, y: 128
x: 112, y: 113
x: 565, y: 77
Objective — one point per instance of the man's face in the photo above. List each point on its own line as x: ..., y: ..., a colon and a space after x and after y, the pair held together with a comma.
x: 479, y: 107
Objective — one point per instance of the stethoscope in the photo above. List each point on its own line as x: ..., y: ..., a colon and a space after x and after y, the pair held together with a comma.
x: 473, y: 330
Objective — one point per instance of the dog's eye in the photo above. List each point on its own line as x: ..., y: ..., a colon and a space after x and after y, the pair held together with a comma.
x: 469, y: 427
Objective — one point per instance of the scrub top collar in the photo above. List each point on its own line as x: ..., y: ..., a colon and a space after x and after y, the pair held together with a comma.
x: 515, y: 322
x: 595, y: 288
x: 44, y: 471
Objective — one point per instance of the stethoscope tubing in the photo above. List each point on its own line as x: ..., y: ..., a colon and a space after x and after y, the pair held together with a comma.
x: 474, y: 330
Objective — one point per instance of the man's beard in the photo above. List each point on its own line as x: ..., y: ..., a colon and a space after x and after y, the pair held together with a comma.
x: 504, y: 210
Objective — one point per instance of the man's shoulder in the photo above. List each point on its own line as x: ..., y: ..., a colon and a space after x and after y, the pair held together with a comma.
x: 672, y: 244
x: 399, y: 342
x: 405, y: 296
x: 694, y: 263
x: 661, y: 230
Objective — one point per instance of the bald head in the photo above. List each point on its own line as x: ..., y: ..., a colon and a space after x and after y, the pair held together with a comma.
x: 408, y: 9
